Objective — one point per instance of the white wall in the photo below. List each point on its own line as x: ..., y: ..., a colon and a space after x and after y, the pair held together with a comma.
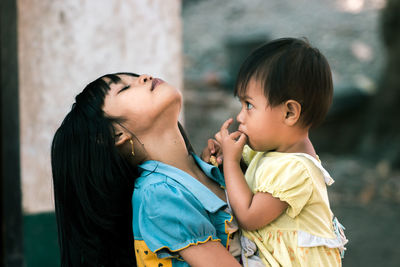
x: 63, y: 45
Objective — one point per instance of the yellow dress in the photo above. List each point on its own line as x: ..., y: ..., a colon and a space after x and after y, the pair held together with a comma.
x: 304, y: 235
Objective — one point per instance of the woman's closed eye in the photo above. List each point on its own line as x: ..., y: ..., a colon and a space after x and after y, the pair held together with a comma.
x: 124, y: 88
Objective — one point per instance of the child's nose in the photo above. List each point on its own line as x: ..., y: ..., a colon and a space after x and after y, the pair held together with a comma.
x: 239, y: 117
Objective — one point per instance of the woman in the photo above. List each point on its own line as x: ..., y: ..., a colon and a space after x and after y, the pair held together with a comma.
x: 123, y: 131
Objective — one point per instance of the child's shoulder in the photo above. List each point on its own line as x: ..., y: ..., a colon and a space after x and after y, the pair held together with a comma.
x: 291, y: 159
x: 287, y: 164
x: 281, y: 172
x: 297, y: 163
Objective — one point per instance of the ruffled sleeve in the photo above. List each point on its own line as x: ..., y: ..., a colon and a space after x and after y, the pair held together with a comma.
x: 287, y: 179
x: 171, y: 219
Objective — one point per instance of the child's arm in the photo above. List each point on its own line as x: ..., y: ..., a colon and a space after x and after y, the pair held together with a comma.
x: 252, y: 211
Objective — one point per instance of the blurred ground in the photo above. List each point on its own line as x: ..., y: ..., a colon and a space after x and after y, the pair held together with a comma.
x: 366, y: 198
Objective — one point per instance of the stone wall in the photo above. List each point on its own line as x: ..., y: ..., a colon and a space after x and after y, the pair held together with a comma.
x: 63, y: 45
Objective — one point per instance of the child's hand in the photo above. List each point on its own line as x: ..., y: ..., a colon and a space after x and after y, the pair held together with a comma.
x: 213, y: 150
x: 232, y: 143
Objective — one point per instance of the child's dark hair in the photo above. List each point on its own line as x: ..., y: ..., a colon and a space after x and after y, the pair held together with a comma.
x: 93, y: 184
x: 290, y: 68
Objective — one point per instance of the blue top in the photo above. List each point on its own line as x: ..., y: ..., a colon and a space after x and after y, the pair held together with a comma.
x: 172, y: 210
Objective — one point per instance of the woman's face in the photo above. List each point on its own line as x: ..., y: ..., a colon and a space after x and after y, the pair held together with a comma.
x: 143, y: 102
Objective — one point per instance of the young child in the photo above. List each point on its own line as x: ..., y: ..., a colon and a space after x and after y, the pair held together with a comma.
x: 281, y: 203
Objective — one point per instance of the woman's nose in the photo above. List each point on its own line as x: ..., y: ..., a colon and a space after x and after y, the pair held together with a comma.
x: 144, y: 78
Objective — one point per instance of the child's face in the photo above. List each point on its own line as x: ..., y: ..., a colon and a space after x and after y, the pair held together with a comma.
x: 261, y: 123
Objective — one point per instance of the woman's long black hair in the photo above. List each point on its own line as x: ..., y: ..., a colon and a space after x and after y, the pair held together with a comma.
x: 93, y: 184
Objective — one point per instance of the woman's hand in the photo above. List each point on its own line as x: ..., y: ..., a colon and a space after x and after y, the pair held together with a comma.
x: 209, y: 254
x: 213, y: 149
x: 231, y: 143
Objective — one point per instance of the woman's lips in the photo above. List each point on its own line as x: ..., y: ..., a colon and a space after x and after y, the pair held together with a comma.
x: 155, y: 83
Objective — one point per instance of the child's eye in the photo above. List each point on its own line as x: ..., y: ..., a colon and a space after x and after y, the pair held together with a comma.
x: 248, y: 105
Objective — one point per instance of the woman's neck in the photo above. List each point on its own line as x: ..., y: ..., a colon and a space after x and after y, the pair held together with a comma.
x: 168, y: 146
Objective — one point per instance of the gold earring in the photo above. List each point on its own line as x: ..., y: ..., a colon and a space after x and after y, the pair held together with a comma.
x: 133, y: 150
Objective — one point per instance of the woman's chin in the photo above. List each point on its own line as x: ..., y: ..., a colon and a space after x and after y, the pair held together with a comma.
x: 175, y: 102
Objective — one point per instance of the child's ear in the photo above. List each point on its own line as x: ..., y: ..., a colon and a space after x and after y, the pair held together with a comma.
x: 292, y: 110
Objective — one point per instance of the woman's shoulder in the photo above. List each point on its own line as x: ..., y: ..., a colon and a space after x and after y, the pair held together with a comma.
x: 165, y: 196
x: 174, y: 184
x: 155, y: 183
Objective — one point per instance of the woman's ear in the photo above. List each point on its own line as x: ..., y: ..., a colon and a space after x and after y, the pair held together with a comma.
x: 121, y: 134
x: 121, y: 137
x: 292, y: 110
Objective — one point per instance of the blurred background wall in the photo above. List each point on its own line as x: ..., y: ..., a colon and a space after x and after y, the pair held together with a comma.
x: 64, y: 45
x: 218, y: 35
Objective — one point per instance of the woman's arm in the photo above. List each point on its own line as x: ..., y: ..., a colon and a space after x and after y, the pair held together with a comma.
x: 209, y: 254
x: 213, y: 148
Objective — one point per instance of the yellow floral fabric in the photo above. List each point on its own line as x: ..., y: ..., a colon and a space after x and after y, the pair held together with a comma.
x: 145, y: 257
x: 298, y: 181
